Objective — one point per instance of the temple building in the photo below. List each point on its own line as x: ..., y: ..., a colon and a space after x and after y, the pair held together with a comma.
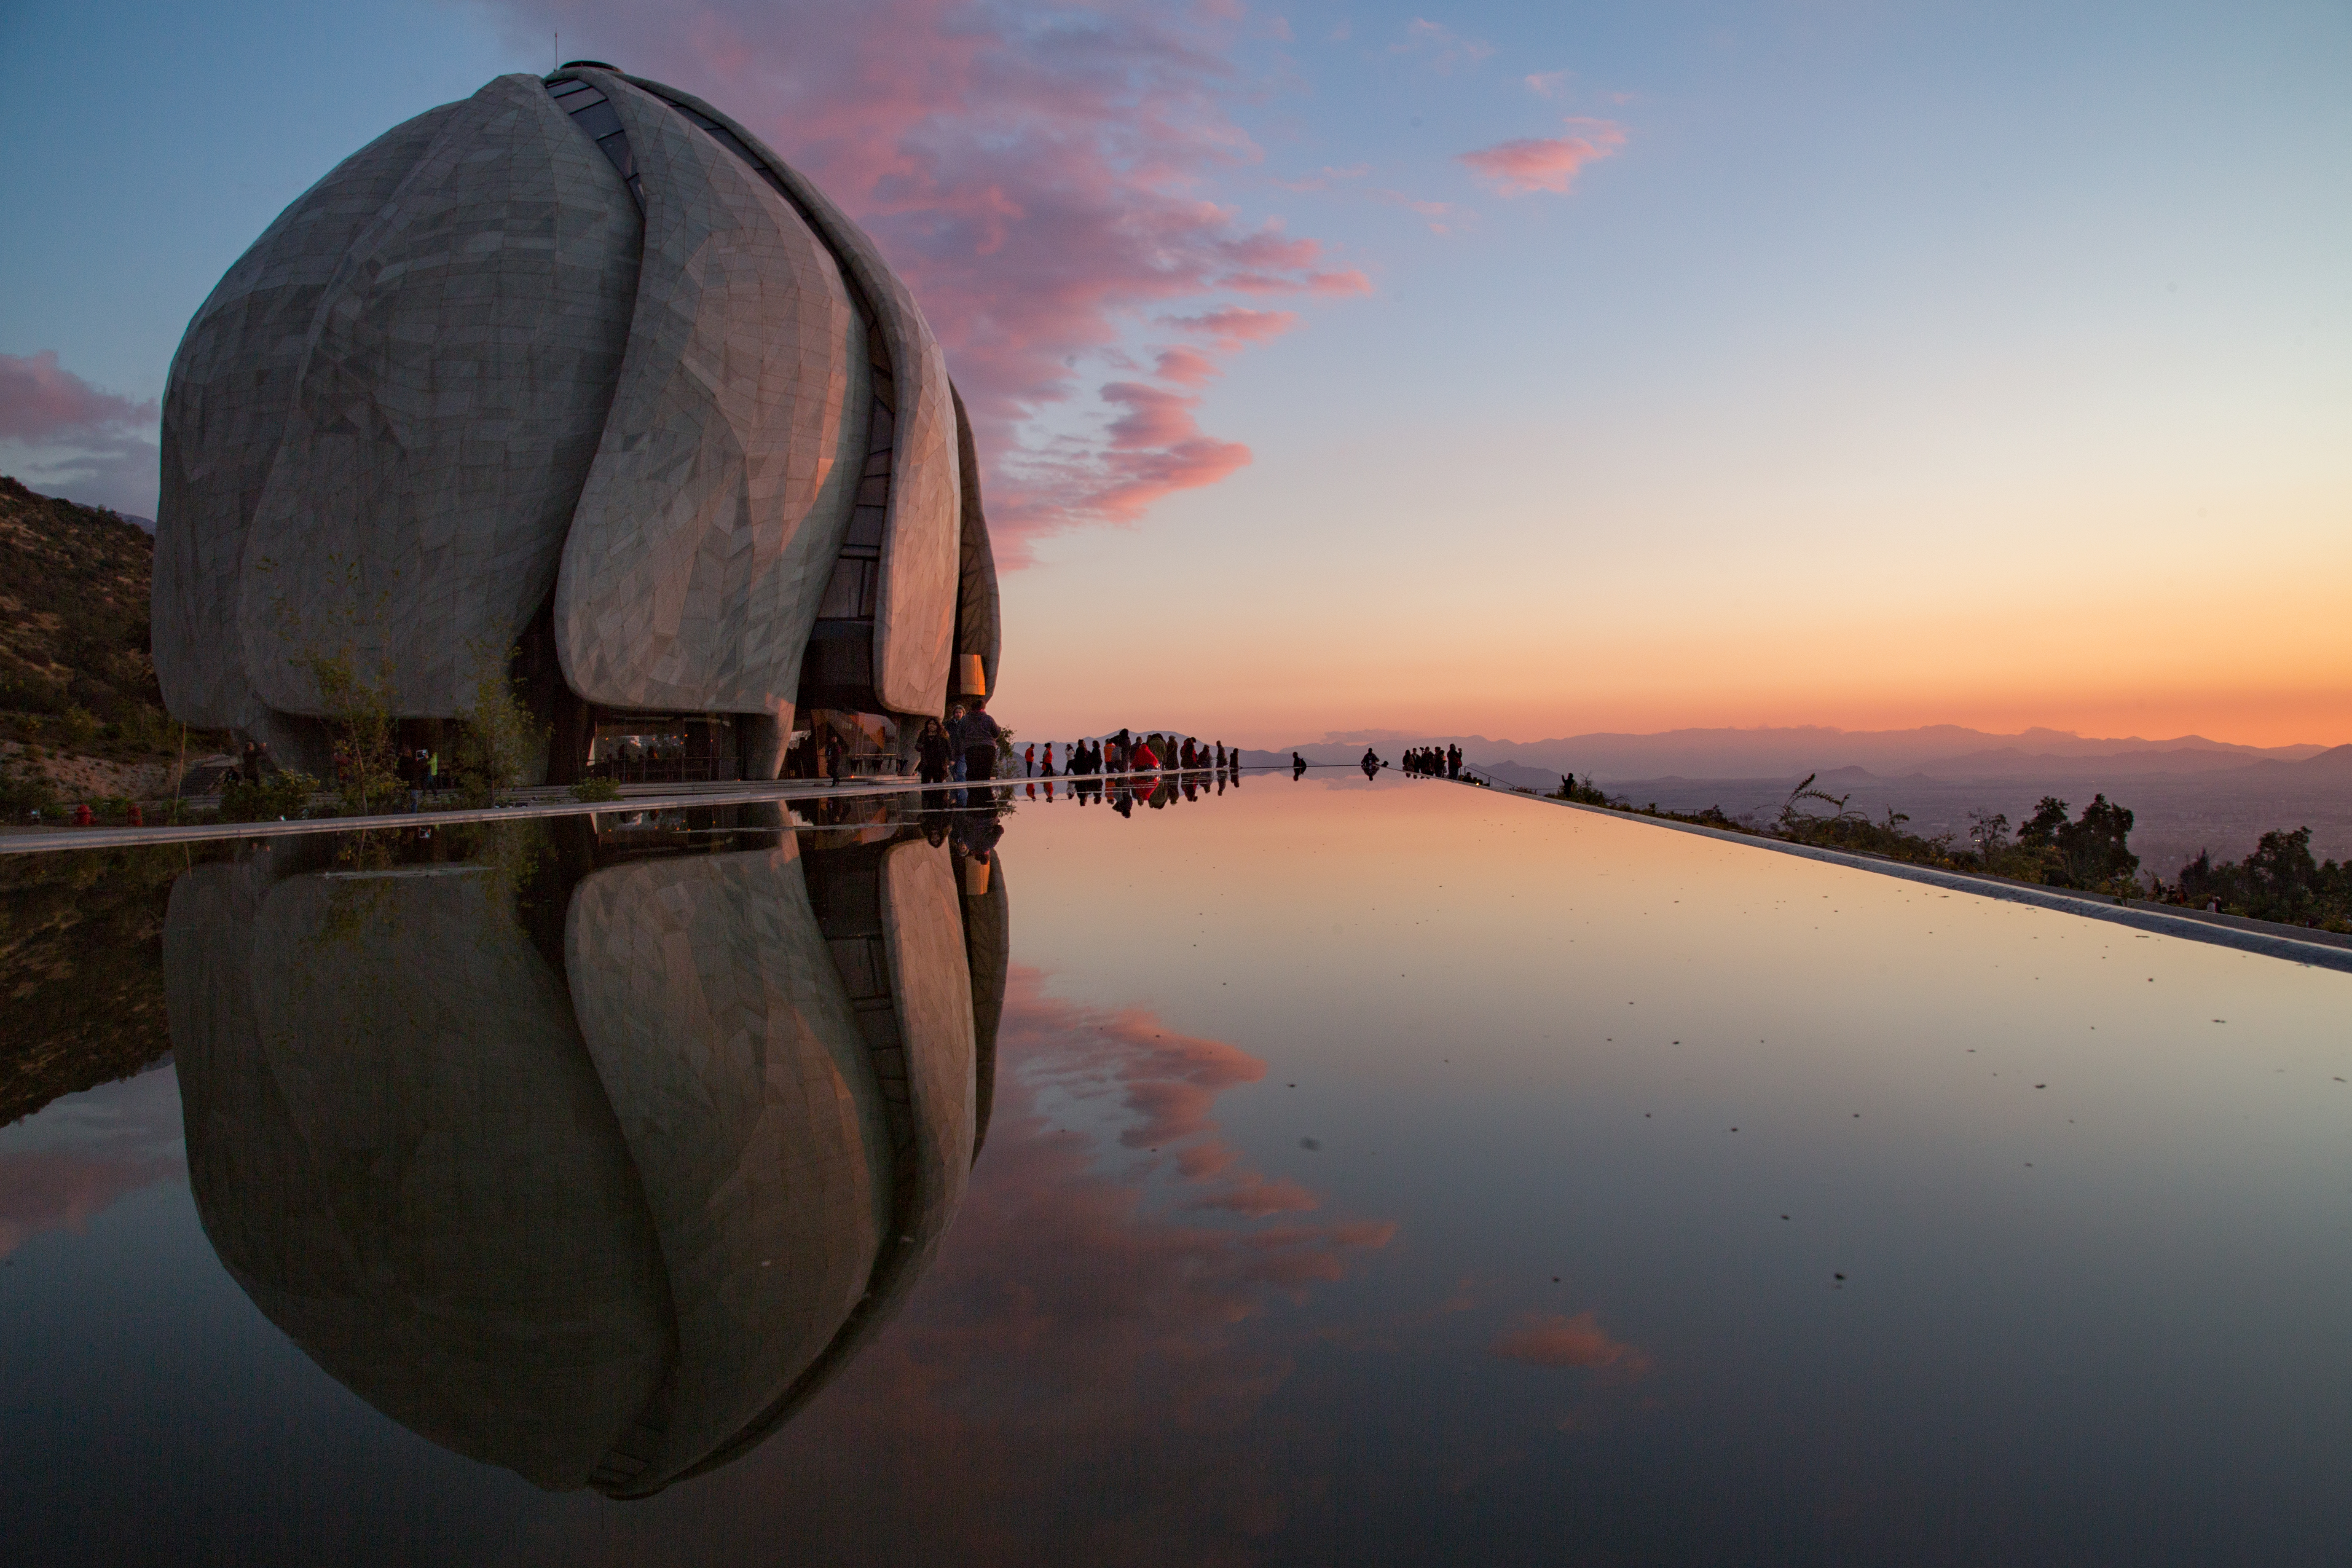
x: 579, y: 380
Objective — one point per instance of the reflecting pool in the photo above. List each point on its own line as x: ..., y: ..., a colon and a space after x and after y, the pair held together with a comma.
x: 1267, y: 1170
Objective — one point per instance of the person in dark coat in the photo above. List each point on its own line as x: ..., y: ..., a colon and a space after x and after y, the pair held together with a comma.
x: 931, y: 750
x: 979, y: 743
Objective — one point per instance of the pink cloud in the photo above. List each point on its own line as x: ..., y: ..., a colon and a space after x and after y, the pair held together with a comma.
x: 1545, y: 84
x: 1150, y: 450
x: 77, y: 440
x: 1548, y: 1338
x: 1041, y: 175
x: 1529, y: 163
x: 1186, y: 367
x: 1235, y: 325
x: 40, y: 400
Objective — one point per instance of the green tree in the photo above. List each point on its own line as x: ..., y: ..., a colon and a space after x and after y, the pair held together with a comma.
x: 501, y: 739
x: 2095, y: 846
x: 357, y: 699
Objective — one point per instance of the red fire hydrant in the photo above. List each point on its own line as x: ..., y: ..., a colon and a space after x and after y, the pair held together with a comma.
x: 81, y: 815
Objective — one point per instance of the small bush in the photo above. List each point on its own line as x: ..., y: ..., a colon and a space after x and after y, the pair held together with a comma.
x: 596, y: 789
x: 281, y: 794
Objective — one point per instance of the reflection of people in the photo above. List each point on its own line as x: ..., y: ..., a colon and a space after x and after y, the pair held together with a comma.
x: 1371, y: 765
x: 1297, y: 764
x: 537, y: 1211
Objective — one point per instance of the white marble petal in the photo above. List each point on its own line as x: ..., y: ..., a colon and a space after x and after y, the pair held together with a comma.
x: 720, y: 497
x: 452, y: 393
x: 224, y: 412
x: 915, y: 621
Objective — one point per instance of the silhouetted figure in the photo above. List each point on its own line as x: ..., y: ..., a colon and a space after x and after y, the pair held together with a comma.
x: 979, y: 741
x: 931, y: 751
x: 1371, y: 765
x: 1297, y: 767
x: 1453, y: 762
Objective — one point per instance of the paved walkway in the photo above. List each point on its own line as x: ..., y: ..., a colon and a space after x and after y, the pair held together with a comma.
x: 545, y: 802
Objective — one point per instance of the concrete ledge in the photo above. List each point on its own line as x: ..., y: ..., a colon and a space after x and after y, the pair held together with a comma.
x: 2318, y: 949
x: 34, y: 840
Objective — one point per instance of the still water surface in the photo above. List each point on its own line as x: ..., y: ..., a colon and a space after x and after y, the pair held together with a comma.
x: 1365, y: 1172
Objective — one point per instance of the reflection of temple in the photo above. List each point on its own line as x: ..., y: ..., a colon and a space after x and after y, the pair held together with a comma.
x: 597, y: 1169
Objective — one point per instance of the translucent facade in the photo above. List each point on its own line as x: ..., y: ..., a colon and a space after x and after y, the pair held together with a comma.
x: 580, y: 375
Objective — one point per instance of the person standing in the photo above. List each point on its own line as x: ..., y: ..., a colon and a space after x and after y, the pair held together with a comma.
x: 1453, y: 760
x: 1048, y: 766
x: 932, y: 752
x: 1029, y: 760
x: 979, y: 741
x: 956, y: 742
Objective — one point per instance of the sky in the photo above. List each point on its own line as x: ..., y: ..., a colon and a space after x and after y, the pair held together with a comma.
x: 1519, y: 371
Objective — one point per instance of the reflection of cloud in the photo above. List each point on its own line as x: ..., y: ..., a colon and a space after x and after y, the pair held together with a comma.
x: 1260, y: 1197
x: 1041, y: 174
x: 62, y: 1166
x: 1548, y: 1338
x: 1067, y: 1319
x: 1517, y: 167
x: 53, y: 1190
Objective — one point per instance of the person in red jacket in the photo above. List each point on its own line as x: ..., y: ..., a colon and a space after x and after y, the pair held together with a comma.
x: 1143, y: 760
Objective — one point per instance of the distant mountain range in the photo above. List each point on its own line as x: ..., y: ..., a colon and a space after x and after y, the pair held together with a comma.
x: 1936, y: 750
x: 2190, y: 792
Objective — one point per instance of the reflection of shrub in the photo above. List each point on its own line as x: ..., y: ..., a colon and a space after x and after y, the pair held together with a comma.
x: 281, y: 795
x: 596, y: 789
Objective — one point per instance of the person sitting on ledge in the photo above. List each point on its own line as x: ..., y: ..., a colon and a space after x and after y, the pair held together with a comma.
x: 1372, y: 764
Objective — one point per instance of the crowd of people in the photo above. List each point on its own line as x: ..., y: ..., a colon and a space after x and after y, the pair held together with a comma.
x: 1432, y: 762
x: 962, y: 748
x: 1418, y: 762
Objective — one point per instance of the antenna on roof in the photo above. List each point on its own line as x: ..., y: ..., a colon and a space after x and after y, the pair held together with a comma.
x: 557, y: 58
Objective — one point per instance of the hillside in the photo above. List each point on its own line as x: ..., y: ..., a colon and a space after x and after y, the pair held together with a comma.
x: 73, y: 625
x: 76, y: 679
